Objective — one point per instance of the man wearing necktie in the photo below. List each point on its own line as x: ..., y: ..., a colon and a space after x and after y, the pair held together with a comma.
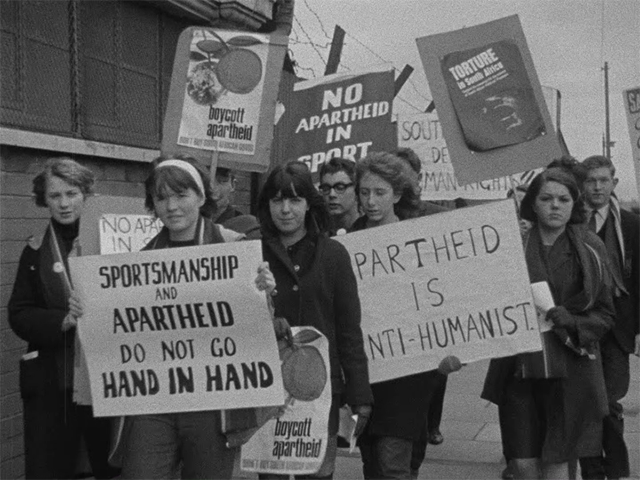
x: 619, y: 230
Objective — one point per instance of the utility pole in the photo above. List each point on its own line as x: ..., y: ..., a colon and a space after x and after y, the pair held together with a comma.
x: 607, y: 133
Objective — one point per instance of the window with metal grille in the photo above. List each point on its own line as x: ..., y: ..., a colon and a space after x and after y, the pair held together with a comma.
x: 98, y: 70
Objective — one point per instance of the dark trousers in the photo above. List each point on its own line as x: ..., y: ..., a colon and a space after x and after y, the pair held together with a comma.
x: 53, y: 429
x: 614, y: 463
x: 434, y: 417
x: 385, y: 457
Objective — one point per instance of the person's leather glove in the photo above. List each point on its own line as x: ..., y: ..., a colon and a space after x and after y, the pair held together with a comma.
x: 363, y: 412
x: 449, y: 364
x: 561, y: 318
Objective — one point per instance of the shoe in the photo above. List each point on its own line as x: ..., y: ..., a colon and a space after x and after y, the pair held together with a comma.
x: 507, y: 473
x: 435, y: 437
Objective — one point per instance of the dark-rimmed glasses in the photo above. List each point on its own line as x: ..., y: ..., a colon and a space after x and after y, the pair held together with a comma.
x: 339, y: 187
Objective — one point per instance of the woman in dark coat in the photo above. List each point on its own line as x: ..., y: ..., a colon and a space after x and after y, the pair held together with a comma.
x: 178, y: 191
x: 316, y: 286
x: 388, y: 193
x: 552, y: 419
x: 43, y: 311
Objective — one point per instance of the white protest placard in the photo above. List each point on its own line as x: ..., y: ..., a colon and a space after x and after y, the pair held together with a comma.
x: 295, y: 441
x: 121, y: 233
x: 455, y: 283
x: 632, y: 108
x: 182, y: 329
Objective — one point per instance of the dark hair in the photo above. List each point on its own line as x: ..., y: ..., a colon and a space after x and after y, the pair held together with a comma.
x: 178, y: 180
x: 562, y: 177
x: 598, y: 161
x: 65, y: 169
x: 336, y: 165
x: 410, y: 156
x: 291, y: 180
x: 572, y: 166
x: 398, y: 174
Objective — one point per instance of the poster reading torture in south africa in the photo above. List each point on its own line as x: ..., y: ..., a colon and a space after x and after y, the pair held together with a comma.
x: 294, y: 441
x: 223, y: 91
x: 174, y: 330
x: 455, y: 283
x: 339, y: 116
x: 492, y: 96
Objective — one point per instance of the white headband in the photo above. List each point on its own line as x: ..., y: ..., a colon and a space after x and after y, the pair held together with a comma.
x: 187, y: 167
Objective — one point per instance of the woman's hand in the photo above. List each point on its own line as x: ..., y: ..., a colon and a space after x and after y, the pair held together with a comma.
x: 363, y: 412
x: 561, y: 318
x: 75, y: 312
x: 282, y: 329
x: 449, y: 364
x: 265, y: 281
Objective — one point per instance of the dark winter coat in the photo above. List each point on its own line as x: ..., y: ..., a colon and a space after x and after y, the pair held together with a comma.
x: 325, y: 297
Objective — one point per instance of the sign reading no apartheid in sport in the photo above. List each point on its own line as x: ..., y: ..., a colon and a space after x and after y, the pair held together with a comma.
x: 339, y: 116
x: 454, y: 283
x: 632, y: 107
x: 183, y: 329
x: 489, y: 100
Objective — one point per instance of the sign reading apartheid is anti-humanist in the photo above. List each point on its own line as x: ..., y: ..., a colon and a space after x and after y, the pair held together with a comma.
x: 183, y: 329
x: 454, y: 283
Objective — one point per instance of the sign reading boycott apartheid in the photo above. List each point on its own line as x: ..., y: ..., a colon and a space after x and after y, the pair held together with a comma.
x: 183, y: 329
x: 340, y: 116
x: 295, y: 440
x: 455, y: 283
x: 223, y: 97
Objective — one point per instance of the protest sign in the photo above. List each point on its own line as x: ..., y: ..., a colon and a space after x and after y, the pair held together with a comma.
x: 340, y: 116
x: 455, y: 283
x: 174, y: 330
x: 489, y: 100
x: 422, y: 133
x: 632, y: 107
x: 126, y: 233
x: 223, y: 96
x: 295, y: 441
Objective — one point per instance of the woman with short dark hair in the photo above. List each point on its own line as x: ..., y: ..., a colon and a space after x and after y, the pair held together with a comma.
x: 316, y: 287
x: 553, y: 416
x: 43, y: 311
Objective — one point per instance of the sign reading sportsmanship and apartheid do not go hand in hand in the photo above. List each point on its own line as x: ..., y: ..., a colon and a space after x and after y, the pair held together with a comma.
x: 454, y: 283
x: 184, y: 329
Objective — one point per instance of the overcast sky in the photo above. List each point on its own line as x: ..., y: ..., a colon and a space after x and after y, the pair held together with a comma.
x: 569, y: 41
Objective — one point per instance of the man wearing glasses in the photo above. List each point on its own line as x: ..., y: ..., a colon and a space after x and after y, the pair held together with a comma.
x: 337, y: 184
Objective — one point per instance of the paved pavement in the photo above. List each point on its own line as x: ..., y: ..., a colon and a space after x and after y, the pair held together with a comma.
x: 472, y: 448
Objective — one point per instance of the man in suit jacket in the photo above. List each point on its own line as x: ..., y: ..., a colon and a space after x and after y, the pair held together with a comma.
x: 619, y: 230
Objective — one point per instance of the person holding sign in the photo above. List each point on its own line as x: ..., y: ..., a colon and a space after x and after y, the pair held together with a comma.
x: 316, y: 287
x: 388, y: 193
x: 43, y: 310
x: 552, y: 403
x: 178, y: 191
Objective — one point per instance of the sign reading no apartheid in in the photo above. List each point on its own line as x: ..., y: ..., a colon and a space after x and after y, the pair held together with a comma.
x: 632, y: 107
x: 183, y: 329
x: 455, y: 283
x: 340, y: 116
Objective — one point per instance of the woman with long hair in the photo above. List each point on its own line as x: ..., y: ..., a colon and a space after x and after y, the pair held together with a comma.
x: 551, y: 419
x: 178, y: 191
x: 44, y: 311
x: 316, y: 287
x: 388, y: 193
